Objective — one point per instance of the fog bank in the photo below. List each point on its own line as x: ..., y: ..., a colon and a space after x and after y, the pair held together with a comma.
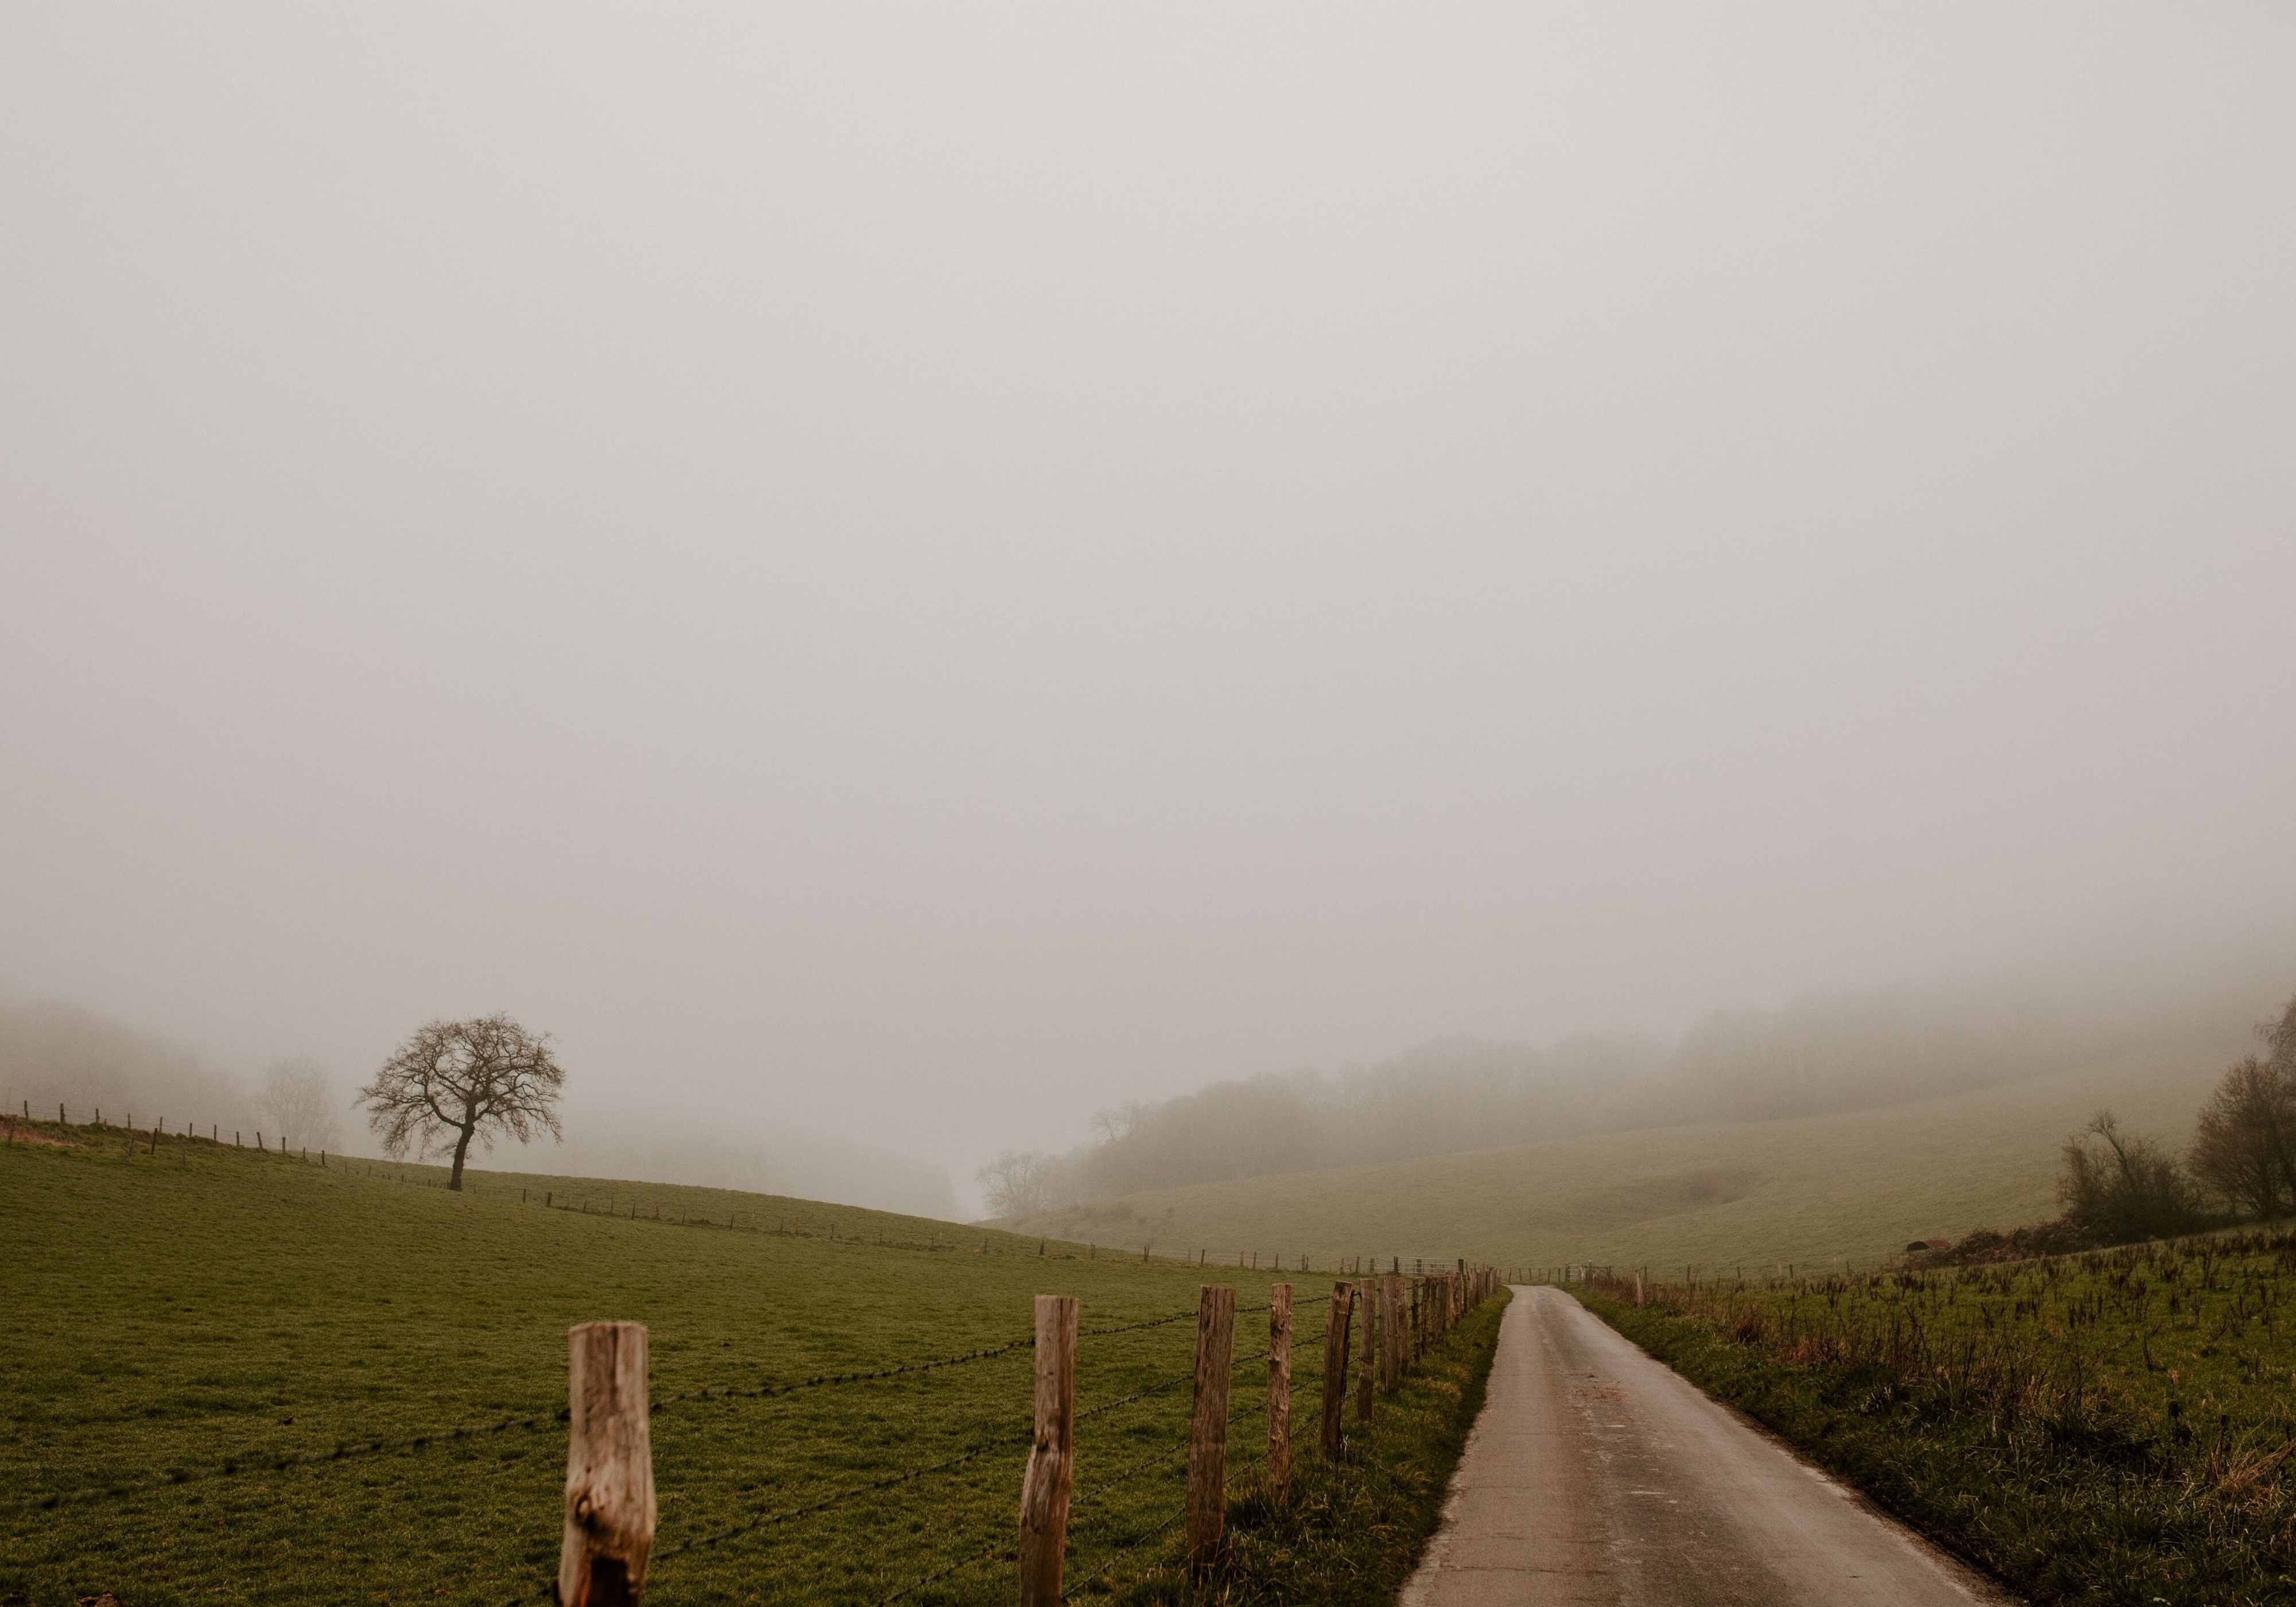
x: 908, y: 573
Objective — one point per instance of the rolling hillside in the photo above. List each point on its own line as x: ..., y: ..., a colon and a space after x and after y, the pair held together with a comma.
x: 1855, y: 1185
x: 243, y: 1376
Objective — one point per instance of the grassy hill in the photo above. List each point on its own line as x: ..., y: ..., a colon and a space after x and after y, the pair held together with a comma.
x: 237, y: 1376
x: 1854, y: 1187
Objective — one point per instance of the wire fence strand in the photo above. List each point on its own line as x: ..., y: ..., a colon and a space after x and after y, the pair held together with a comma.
x: 433, y: 1439
x: 770, y: 1519
x: 999, y: 1549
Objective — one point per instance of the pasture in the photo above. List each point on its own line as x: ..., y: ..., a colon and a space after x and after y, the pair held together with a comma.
x: 1847, y: 1189
x: 239, y: 1377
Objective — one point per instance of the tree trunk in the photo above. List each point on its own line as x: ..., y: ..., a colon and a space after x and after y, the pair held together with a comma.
x: 461, y: 1148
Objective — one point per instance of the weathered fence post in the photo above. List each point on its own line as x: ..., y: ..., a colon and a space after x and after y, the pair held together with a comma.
x: 1335, y: 1368
x: 1391, y: 1334
x: 1207, y: 1511
x: 610, y: 1505
x: 1402, y: 1328
x: 1279, y: 1391
x: 1367, y: 1368
x: 1052, y: 1457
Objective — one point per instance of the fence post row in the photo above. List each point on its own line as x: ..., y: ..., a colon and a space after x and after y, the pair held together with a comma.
x: 610, y: 1512
x: 610, y: 1504
x: 1052, y: 1455
x: 1279, y: 1391
x: 1335, y: 1368
x: 1207, y: 1509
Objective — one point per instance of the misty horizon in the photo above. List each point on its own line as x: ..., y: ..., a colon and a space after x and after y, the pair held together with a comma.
x: 907, y: 576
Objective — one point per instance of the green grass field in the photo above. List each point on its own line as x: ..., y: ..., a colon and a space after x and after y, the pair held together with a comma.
x: 1852, y: 1189
x: 2113, y: 1428
x: 208, y: 1308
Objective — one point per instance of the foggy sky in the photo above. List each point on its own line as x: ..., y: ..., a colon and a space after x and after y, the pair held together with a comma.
x: 918, y: 570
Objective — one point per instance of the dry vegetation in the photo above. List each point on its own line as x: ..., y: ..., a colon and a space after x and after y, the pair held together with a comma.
x: 2111, y: 1427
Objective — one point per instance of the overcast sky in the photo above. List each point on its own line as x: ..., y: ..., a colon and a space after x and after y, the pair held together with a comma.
x: 918, y: 570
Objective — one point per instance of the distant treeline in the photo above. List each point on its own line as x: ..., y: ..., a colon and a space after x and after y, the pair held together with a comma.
x: 1815, y: 1057
x: 2119, y: 1187
x: 51, y: 1052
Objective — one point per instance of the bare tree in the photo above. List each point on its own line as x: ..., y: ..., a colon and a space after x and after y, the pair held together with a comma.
x: 296, y: 1099
x: 2244, y: 1149
x: 1115, y: 1124
x: 455, y: 1082
x: 2280, y: 1037
x: 2130, y: 1190
x: 1018, y: 1182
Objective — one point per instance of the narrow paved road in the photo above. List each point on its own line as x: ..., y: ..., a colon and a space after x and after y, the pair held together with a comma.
x: 1595, y: 1475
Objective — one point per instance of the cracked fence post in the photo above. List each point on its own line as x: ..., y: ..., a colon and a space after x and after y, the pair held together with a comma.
x: 610, y: 1505
x: 1279, y: 1391
x: 1366, y: 1363
x: 1335, y: 1369
x: 1207, y: 1509
x: 1052, y: 1455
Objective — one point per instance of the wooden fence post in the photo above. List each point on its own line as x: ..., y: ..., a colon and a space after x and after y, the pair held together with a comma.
x: 1279, y: 1391
x: 1366, y: 1366
x: 610, y: 1505
x: 1335, y: 1368
x: 1389, y: 1372
x: 1402, y: 1327
x: 1052, y: 1457
x: 1207, y: 1510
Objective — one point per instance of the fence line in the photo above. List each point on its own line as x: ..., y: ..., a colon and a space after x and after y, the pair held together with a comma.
x: 1402, y: 1318
x: 393, y: 1171
x: 597, y: 1454
x: 428, y: 1438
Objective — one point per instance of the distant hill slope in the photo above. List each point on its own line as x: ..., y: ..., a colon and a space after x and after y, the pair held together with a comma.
x: 1857, y: 1186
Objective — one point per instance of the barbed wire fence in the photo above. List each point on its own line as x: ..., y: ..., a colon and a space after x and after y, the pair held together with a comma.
x: 1377, y: 1299
x: 673, y: 1204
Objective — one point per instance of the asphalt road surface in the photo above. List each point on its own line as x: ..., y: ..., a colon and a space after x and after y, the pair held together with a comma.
x: 1597, y: 1476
